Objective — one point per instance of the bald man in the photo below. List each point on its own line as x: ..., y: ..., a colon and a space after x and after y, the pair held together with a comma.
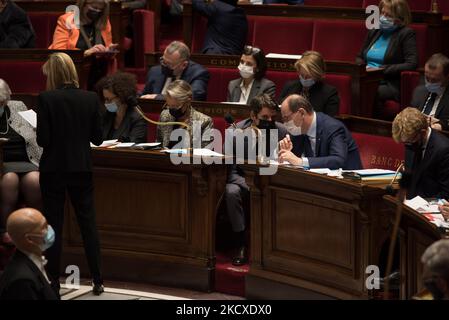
x: 24, y: 277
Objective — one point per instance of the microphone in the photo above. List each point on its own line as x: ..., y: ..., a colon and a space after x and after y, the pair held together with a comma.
x: 230, y: 120
x: 389, y: 189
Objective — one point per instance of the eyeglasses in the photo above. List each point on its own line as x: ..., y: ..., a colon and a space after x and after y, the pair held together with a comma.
x: 248, y: 50
x: 165, y: 64
x: 287, y: 118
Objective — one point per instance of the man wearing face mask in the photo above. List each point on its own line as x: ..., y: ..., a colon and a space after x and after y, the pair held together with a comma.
x: 433, y: 97
x: 24, y: 277
x: 426, y: 154
x: 316, y: 140
x: 435, y: 275
x: 175, y: 64
x: 311, y: 69
x: 391, y: 48
x: 15, y: 27
x: 262, y: 120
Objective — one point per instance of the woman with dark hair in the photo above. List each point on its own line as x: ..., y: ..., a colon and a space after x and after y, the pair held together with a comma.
x: 252, y: 81
x: 120, y: 120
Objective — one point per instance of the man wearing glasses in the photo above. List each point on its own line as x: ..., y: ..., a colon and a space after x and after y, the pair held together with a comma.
x: 316, y: 140
x: 175, y: 65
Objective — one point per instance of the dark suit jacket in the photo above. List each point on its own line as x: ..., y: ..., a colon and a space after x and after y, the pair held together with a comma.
x: 260, y: 86
x: 22, y: 280
x: 323, y: 97
x: 335, y: 147
x: 431, y: 178
x: 419, y: 99
x: 16, y: 30
x: 227, y: 27
x: 235, y: 173
x: 401, y: 54
x: 196, y: 75
x: 68, y: 119
x: 133, y: 128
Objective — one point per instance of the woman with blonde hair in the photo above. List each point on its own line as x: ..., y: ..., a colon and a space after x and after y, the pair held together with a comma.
x: 311, y: 69
x: 68, y: 119
x: 391, y: 48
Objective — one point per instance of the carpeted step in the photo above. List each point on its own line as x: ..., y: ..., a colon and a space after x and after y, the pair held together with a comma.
x: 229, y: 279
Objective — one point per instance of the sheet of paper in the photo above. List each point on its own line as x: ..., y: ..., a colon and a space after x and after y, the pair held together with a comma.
x: 149, y: 144
x: 284, y: 56
x: 371, y: 172
x: 321, y: 170
x: 106, y: 143
x: 206, y: 153
x: 178, y: 151
x: 421, y: 205
x: 123, y: 145
x: 30, y: 117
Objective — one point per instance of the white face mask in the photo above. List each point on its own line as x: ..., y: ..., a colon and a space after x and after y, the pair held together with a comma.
x: 245, y: 71
x: 292, y: 128
x: 111, y: 107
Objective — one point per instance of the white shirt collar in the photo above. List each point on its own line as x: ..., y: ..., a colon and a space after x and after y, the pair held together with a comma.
x: 40, y: 263
x: 245, y: 91
x: 427, y: 139
x: 312, y: 129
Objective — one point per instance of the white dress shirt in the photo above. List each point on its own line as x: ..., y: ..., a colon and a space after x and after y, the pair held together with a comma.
x: 40, y: 263
x: 311, y: 133
x: 245, y: 92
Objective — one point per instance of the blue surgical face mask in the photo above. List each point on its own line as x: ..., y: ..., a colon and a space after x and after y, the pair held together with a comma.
x: 111, y: 107
x: 49, y: 239
x: 434, y: 87
x: 387, y: 24
x: 306, y: 83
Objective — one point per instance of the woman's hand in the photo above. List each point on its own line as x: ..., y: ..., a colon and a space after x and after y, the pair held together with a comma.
x: 95, y: 49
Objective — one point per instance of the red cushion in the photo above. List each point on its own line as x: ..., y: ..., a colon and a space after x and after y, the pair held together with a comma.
x: 198, y: 33
x: 44, y: 24
x: 420, y: 5
x: 421, y: 30
x: 218, y: 83
x: 13, y: 73
x: 152, y: 128
x: 280, y: 79
x: 339, y: 39
x: 335, y: 3
x: 296, y: 34
x: 143, y: 35
x: 443, y: 6
x: 379, y: 152
x: 367, y: 3
x: 343, y: 83
x: 409, y: 82
x: 390, y: 110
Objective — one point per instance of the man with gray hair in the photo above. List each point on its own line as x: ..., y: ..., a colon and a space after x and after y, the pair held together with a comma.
x: 436, y: 269
x: 175, y: 64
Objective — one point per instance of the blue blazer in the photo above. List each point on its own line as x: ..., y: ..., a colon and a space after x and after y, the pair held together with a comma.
x: 335, y: 147
x: 196, y: 75
x: 227, y: 27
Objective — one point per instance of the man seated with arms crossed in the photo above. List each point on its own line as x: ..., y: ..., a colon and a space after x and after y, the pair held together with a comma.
x: 316, y: 140
x: 262, y: 117
x: 426, y: 155
x: 175, y: 64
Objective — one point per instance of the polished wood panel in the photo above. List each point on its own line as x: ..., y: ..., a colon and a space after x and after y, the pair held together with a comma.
x: 155, y: 219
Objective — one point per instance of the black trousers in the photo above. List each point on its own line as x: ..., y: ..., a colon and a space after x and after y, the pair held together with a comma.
x: 79, y: 187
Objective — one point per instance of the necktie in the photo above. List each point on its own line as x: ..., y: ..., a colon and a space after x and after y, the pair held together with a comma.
x: 429, y: 104
x: 308, y: 152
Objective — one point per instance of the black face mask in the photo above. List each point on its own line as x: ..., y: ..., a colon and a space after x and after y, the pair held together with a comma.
x: 434, y: 290
x: 166, y: 71
x: 94, y: 15
x: 177, y: 113
x: 266, y: 124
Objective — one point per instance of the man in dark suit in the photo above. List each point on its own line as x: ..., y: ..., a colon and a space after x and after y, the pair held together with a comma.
x: 15, y: 27
x: 245, y: 147
x: 227, y: 26
x: 432, y: 99
x: 24, y: 277
x: 175, y: 65
x: 316, y: 140
x: 426, y: 155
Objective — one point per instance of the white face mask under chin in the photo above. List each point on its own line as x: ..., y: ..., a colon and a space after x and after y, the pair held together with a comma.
x: 292, y: 128
x: 245, y: 71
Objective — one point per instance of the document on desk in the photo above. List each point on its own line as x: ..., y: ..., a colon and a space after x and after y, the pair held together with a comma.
x: 206, y: 153
x: 105, y: 144
x: 175, y: 151
x: 422, y: 205
x: 283, y: 56
x: 122, y: 145
x: 30, y: 117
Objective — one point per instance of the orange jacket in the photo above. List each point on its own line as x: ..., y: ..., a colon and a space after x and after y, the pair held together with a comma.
x: 66, y: 38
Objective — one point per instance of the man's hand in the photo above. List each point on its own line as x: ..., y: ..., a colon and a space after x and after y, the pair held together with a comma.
x: 434, y: 123
x: 149, y: 96
x: 287, y: 155
x: 444, y: 209
x: 286, y: 144
x: 95, y: 49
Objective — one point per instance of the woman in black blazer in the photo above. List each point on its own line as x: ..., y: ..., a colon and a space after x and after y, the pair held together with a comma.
x: 311, y: 69
x: 121, y: 121
x: 392, y: 48
x: 68, y: 119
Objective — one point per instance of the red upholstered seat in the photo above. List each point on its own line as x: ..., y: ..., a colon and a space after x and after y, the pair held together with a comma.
x: 443, y: 6
x: 415, y: 5
x: 13, y: 73
x: 280, y: 79
x: 421, y: 31
x: 296, y: 34
x: 339, y: 39
x: 198, y: 33
x: 152, y: 128
x: 343, y: 84
x: 44, y: 24
x: 144, y: 41
x: 334, y: 3
x: 218, y: 83
x: 379, y: 152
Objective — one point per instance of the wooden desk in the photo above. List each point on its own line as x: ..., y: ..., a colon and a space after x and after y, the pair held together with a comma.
x: 416, y: 233
x: 311, y: 236
x: 156, y: 220
x: 364, y: 84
